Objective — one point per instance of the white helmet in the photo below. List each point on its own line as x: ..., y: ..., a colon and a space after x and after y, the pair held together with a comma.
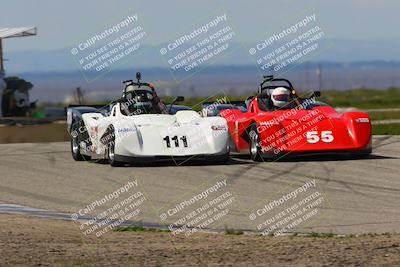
x: 280, y: 97
x: 131, y: 88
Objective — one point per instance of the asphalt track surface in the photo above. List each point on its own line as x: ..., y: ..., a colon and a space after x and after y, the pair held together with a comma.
x: 359, y: 195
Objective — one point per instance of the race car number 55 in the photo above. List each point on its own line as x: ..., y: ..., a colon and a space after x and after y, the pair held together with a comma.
x: 313, y: 137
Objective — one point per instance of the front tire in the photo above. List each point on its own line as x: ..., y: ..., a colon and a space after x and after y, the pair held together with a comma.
x: 255, y: 146
x: 220, y: 158
x: 362, y: 154
x: 76, y: 151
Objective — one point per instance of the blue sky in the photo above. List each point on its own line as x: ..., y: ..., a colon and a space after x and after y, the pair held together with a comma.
x: 61, y: 23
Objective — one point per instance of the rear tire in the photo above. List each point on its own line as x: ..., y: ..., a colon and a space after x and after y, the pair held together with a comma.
x: 255, y: 146
x: 362, y: 154
x: 76, y: 151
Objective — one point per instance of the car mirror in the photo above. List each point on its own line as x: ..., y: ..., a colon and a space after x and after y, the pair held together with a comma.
x: 177, y: 99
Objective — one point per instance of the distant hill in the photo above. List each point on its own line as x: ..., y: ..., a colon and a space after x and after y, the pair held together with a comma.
x: 338, y: 50
x: 231, y: 80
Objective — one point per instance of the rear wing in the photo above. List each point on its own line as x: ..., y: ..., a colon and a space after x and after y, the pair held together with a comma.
x: 89, y: 106
x: 234, y: 103
x: 214, y: 108
x: 75, y: 112
x: 93, y: 108
x: 238, y: 103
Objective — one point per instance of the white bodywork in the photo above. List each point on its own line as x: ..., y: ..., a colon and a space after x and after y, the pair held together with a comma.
x: 148, y: 135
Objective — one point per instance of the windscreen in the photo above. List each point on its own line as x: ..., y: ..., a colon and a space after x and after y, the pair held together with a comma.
x: 139, y: 102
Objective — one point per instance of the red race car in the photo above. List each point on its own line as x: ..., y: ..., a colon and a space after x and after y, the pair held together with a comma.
x: 280, y: 123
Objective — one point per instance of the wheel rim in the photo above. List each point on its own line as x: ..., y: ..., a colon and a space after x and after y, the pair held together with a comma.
x: 75, y: 147
x: 111, y: 153
x: 254, y: 144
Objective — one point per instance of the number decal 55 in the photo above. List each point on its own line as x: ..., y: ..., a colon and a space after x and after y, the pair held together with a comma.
x: 313, y: 137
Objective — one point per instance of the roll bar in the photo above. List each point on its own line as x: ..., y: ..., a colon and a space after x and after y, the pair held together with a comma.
x: 270, y: 78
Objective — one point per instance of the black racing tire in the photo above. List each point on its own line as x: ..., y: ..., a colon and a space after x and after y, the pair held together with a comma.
x: 76, y: 151
x: 224, y: 158
x: 362, y: 154
x: 254, y: 143
x: 111, y: 154
x: 220, y: 158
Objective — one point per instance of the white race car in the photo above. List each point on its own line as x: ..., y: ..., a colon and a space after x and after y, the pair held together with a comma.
x: 139, y: 128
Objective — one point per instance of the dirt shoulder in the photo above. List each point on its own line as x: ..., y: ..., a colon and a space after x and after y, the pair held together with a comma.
x: 39, y: 133
x: 27, y: 241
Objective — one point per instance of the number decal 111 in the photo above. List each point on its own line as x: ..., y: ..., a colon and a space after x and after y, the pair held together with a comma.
x: 175, y: 140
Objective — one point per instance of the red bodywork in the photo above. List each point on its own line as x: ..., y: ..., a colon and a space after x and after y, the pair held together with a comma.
x: 321, y: 129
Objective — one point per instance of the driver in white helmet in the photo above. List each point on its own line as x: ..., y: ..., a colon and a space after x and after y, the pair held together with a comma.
x: 281, y: 98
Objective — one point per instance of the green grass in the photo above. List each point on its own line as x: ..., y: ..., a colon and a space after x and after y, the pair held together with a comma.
x: 321, y: 235
x: 358, y: 98
x: 384, y: 115
x: 230, y: 231
x: 386, y: 129
x: 140, y: 229
x: 363, y: 98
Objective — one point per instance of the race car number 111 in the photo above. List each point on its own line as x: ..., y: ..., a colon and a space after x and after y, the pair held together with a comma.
x: 175, y: 139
